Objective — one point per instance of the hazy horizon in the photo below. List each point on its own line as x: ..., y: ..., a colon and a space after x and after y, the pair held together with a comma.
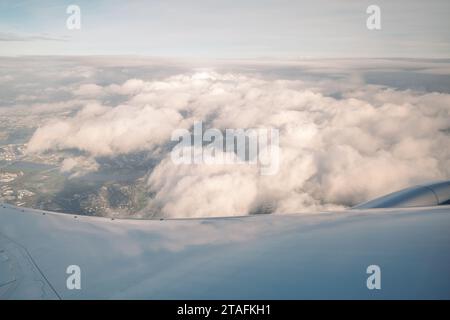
x: 220, y: 29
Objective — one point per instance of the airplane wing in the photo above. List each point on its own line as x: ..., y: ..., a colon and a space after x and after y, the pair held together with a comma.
x: 296, y: 256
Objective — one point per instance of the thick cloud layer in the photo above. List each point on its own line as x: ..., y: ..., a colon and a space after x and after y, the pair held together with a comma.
x: 340, y: 143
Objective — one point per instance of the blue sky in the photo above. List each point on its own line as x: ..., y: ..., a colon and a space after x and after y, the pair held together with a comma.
x: 227, y: 29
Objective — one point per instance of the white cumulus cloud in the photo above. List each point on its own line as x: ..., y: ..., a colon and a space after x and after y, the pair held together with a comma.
x: 335, y: 151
